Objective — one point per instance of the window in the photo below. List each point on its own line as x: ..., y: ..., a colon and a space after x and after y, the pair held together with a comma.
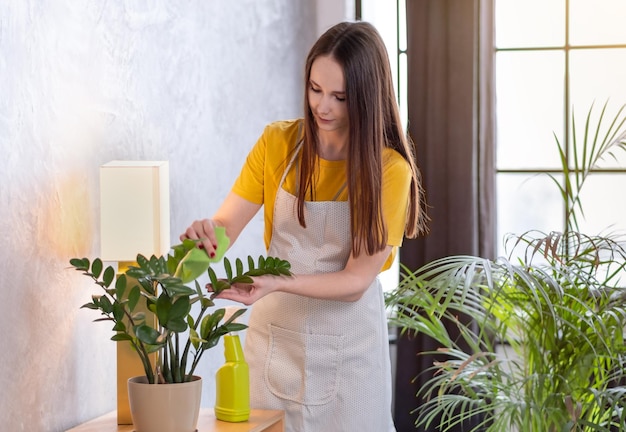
x: 384, y: 16
x: 554, y: 59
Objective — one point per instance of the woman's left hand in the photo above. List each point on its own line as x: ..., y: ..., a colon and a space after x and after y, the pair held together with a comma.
x: 248, y: 293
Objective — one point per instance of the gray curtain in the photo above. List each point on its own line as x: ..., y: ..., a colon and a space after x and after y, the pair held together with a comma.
x: 451, y: 119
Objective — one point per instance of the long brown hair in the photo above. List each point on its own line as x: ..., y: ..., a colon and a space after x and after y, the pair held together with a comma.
x: 374, y: 123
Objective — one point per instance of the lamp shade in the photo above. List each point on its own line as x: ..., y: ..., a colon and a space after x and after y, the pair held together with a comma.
x: 134, y: 209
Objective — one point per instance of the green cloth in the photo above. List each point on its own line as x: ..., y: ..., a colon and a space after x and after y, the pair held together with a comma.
x: 197, y: 261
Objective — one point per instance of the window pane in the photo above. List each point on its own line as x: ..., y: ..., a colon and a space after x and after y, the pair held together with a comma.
x: 594, y: 132
x: 597, y: 22
x: 402, y: 33
x: 402, y: 89
x: 597, y: 77
x: 604, y: 204
x: 529, y: 109
x: 527, y: 202
x: 530, y: 23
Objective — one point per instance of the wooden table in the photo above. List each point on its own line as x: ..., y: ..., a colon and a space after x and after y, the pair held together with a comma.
x: 259, y: 421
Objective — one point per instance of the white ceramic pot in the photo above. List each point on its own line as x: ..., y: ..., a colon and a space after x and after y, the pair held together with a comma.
x: 164, y: 407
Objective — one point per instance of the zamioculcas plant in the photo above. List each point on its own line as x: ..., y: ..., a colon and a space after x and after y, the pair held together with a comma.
x: 183, y: 333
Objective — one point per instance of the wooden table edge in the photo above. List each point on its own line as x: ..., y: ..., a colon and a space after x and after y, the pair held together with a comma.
x: 259, y: 421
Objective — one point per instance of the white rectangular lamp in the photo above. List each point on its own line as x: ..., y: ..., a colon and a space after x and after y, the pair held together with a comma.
x: 134, y: 219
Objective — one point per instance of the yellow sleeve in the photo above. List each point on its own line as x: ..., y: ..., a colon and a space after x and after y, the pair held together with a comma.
x: 249, y: 184
x: 264, y: 166
x: 395, y: 195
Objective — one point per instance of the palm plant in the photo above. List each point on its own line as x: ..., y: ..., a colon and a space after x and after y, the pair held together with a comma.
x: 559, y: 309
x: 588, y: 152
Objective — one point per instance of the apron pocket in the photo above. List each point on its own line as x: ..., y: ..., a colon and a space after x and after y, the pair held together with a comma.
x: 303, y: 367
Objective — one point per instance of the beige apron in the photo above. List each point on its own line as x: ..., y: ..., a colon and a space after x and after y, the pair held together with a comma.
x: 326, y: 363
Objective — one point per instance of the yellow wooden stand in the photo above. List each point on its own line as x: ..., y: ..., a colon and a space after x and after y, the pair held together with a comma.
x: 128, y: 362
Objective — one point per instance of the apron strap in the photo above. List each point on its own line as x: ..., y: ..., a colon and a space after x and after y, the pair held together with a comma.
x: 293, y: 158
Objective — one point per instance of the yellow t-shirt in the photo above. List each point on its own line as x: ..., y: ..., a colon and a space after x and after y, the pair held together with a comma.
x: 266, y: 162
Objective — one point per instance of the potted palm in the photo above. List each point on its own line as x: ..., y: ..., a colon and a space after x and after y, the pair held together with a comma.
x: 187, y: 326
x: 556, y: 303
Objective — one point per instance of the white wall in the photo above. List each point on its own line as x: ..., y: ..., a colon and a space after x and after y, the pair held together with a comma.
x: 330, y: 12
x: 86, y: 82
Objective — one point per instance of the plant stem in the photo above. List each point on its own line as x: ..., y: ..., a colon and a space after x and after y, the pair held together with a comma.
x: 183, y: 361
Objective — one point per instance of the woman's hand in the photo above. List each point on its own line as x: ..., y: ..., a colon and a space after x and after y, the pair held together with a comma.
x: 203, y: 230
x: 248, y: 293
x: 234, y: 214
x: 346, y: 285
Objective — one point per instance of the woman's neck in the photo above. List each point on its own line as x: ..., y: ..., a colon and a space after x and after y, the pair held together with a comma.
x: 332, y: 146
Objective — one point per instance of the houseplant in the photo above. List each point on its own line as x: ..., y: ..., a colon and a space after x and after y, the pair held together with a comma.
x: 184, y: 331
x: 557, y: 302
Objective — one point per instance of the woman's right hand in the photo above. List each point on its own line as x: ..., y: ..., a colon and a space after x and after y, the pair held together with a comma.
x: 234, y: 214
x: 203, y: 230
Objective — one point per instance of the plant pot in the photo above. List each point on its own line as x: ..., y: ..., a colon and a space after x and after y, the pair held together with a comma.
x: 164, y: 407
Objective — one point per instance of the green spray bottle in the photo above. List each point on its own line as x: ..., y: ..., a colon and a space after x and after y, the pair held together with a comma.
x: 232, y: 383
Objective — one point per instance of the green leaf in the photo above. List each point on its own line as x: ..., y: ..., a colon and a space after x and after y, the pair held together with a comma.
x: 96, y: 267
x: 80, y: 264
x: 177, y: 325
x: 243, y: 279
x: 163, y: 307
x: 147, y: 286
x: 250, y: 263
x: 212, y: 277
x: 139, y: 316
x: 235, y: 327
x: 118, y: 311
x: 211, y: 342
x: 119, y: 326
x: 228, y: 268
x: 120, y: 286
x: 137, y: 273
x: 108, y: 276
x: 147, y: 334
x: 180, y: 308
x: 235, y: 315
x: 284, y: 271
x: 220, y: 286
x: 194, y: 338
x: 105, y: 305
x: 284, y: 267
x: 257, y: 272
x: 144, y: 263
x: 178, y: 290
x: 210, y: 322
x: 118, y: 337
x: 206, y: 302
x: 155, y: 265
x: 133, y: 297
x: 239, y: 267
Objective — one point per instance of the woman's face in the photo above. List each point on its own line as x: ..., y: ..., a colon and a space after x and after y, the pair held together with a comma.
x: 327, y: 95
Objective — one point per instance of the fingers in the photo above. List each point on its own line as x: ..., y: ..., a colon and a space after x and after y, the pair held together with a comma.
x: 241, y: 293
x: 203, y: 230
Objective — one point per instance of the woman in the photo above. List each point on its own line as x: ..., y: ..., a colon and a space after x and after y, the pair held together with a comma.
x: 340, y: 190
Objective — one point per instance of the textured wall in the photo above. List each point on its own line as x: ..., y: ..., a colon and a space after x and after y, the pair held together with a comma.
x: 86, y: 82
